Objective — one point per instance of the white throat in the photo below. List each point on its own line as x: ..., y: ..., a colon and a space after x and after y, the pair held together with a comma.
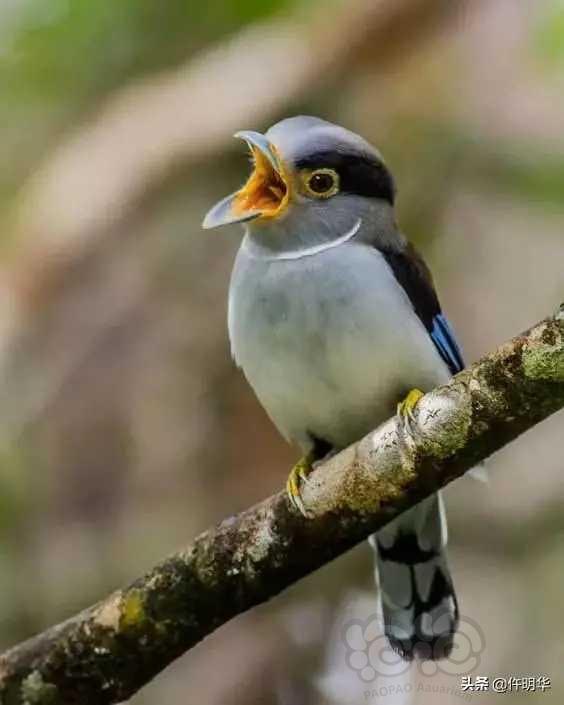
x: 314, y: 250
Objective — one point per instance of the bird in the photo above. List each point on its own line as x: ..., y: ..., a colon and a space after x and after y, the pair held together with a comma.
x: 334, y: 320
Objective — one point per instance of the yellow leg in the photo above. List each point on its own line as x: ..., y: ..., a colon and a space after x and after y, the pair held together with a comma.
x: 296, y: 478
x: 407, y: 424
x: 406, y: 407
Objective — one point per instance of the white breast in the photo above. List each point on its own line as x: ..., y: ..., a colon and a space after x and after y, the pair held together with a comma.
x: 330, y: 343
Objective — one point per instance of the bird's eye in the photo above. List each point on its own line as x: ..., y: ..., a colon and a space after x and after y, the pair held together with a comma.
x: 322, y: 183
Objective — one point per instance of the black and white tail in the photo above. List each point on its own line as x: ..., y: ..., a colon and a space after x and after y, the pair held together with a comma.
x: 419, y: 605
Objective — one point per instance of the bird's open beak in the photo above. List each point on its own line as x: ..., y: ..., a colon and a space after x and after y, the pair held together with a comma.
x: 266, y: 193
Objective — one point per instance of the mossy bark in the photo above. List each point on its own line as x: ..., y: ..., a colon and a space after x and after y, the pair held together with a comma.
x: 109, y: 651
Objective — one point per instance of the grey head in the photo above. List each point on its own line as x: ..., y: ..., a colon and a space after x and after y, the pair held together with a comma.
x: 313, y: 182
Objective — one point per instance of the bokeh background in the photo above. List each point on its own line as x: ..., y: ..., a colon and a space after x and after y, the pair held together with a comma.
x: 125, y: 428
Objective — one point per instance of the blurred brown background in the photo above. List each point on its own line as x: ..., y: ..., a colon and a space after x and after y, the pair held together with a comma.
x: 125, y: 428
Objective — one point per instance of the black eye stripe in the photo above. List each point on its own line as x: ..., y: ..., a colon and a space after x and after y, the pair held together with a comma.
x: 359, y: 174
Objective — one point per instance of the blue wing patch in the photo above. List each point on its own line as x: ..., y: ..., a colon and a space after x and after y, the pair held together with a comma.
x: 413, y: 275
x: 445, y: 340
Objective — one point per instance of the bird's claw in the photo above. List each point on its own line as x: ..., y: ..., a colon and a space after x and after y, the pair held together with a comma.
x: 297, y: 477
x: 406, y: 416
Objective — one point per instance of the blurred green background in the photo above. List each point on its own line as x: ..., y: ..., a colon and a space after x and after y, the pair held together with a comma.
x: 125, y: 428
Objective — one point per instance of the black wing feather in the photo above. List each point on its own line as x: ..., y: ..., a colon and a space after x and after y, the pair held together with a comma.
x: 414, y: 276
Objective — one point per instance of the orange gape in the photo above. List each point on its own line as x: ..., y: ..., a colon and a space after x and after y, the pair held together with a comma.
x: 265, y: 190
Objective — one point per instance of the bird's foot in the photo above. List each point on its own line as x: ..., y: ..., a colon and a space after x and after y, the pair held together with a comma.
x: 407, y: 422
x: 406, y: 407
x: 298, y: 475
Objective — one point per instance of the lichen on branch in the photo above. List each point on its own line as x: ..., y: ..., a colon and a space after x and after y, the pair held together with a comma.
x: 108, y: 652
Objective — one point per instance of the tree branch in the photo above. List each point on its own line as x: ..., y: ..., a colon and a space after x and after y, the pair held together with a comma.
x: 109, y: 651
